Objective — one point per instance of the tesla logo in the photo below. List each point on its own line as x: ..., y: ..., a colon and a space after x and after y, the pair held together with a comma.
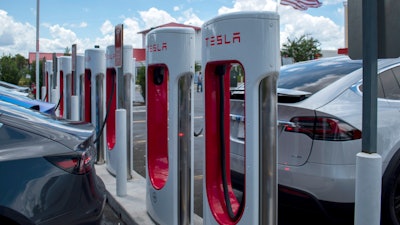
x: 157, y: 47
x: 110, y: 56
x: 223, y: 39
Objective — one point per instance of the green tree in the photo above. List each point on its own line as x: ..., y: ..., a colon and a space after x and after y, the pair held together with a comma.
x: 302, y: 49
x: 32, y: 72
x: 197, y: 67
x: 11, y: 69
x: 67, y: 51
x: 141, y: 80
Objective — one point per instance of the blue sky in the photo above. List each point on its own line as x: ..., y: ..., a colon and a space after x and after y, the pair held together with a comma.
x: 91, y: 22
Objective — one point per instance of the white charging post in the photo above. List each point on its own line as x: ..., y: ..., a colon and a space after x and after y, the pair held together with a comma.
x: 94, y: 95
x: 64, y: 86
x: 114, y: 90
x: 79, y: 82
x: 251, y: 40
x: 169, y: 174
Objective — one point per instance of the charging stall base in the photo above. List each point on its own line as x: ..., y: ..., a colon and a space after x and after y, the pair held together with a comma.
x: 116, y: 92
x: 94, y: 94
x: 251, y: 40
x: 64, y: 85
x: 169, y: 173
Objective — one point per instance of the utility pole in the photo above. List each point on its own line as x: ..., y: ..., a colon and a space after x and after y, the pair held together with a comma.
x: 37, y: 50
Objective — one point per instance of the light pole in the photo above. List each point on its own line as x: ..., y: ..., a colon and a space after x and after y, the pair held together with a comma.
x: 37, y: 49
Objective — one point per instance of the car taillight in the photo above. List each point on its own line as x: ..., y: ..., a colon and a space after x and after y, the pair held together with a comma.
x: 80, y: 162
x: 324, y: 128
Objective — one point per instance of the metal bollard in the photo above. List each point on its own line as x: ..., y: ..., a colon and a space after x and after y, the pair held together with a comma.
x: 75, y: 108
x: 121, y: 147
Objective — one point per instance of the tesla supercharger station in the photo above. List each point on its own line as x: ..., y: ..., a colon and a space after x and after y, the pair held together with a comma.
x: 250, y: 39
x: 94, y: 95
x: 64, y: 79
x: 118, y: 92
x: 48, y: 74
x: 169, y: 174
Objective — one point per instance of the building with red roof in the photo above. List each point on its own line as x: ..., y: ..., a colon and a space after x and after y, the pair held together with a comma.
x: 48, y: 56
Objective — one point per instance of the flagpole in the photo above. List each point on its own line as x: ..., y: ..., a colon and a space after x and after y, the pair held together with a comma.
x: 278, y: 2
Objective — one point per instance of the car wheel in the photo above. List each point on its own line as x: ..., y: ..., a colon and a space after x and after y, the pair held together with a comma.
x: 390, y: 213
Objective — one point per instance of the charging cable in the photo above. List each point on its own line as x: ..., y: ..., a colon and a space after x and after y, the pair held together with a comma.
x: 108, y: 110
x: 220, y: 71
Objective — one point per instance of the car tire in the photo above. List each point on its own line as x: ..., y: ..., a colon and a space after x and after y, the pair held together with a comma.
x: 390, y: 203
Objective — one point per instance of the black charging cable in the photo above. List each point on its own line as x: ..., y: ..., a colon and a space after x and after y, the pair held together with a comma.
x: 108, y: 110
x: 59, y: 100
x: 220, y: 71
x: 44, y: 99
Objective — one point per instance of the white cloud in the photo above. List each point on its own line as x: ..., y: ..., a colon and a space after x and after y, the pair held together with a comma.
x: 155, y: 17
x: 61, y: 33
x: 190, y: 18
x: 131, y: 36
x: 106, y: 28
x: 295, y: 23
x: 15, y: 37
x: 246, y: 5
x: 61, y: 38
x: 131, y: 28
x: 82, y: 25
x: 19, y: 38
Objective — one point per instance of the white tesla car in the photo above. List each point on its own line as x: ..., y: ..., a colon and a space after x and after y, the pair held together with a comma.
x: 320, y: 117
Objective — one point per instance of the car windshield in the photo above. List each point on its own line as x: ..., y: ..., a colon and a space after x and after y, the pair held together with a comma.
x: 312, y: 76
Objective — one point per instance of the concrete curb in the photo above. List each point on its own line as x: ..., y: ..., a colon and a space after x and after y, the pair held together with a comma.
x: 132, y: 207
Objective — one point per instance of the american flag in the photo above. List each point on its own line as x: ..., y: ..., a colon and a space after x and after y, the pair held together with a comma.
x: 302, y: 4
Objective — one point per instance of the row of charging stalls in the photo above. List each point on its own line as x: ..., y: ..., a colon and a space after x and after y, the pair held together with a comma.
x: 103, y: 91
x: 95, y: 82
x: 247, y: 39
x: 65, y: 83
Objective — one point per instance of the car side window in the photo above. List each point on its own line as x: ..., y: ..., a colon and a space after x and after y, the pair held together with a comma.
x: 390, y: 84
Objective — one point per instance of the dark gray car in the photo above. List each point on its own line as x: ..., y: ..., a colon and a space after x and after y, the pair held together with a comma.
x: 47, y: 172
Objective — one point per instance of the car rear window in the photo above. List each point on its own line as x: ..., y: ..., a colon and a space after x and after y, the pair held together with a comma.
x: 312, y: 76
